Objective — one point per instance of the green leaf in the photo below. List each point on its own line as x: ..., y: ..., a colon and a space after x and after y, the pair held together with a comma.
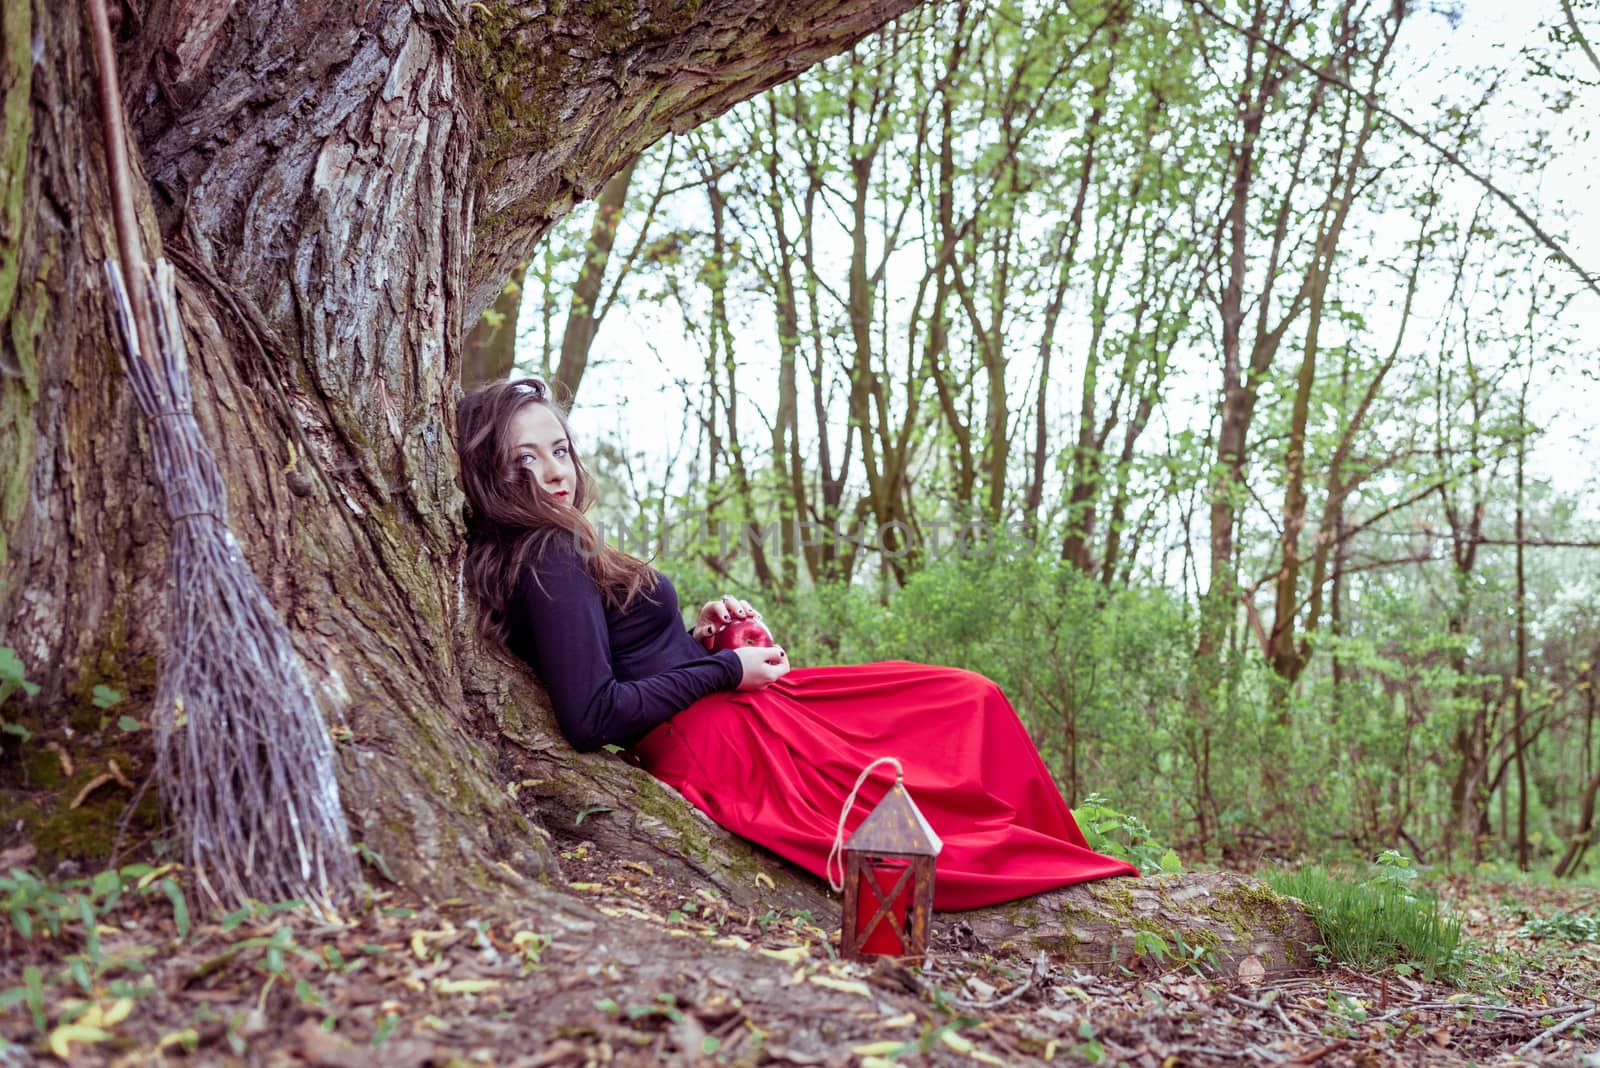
x: 10, y: 664
x: 33, y: 982
x: 592, y: 810
x: 106, y: 884
x: 128, y: 723
x: 373, y: 857
x: 282, y: 939
x: 15, y: 728
x: 91, y: 936
x: 180, y: 905
x: 1150, y: 944
x: 386, y: 1028
x: 105, y: 697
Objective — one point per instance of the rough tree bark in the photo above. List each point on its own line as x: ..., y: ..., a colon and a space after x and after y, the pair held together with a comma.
x: 342, y: 187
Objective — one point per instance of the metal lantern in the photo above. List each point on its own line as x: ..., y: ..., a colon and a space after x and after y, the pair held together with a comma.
x: 888, y: 881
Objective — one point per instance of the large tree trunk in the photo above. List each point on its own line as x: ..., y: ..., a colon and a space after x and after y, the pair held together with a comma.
x: 342, y: 187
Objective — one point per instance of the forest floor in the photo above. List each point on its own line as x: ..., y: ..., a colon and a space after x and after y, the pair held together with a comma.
x: 662, y: 973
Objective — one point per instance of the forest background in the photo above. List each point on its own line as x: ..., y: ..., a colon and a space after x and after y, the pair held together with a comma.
x: 1217, y: 379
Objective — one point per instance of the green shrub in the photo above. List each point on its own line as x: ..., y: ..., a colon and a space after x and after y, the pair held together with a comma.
x: 1117, y: 834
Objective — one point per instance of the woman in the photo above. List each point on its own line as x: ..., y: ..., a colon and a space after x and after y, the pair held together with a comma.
x: 769, y: 753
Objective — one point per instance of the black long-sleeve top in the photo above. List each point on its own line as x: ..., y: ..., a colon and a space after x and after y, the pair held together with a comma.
x: 611, y: 675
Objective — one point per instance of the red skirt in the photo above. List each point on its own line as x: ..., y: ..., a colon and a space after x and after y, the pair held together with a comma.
x: 776, y: 765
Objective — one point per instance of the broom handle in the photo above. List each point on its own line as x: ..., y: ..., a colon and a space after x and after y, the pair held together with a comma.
x: 122, y: 210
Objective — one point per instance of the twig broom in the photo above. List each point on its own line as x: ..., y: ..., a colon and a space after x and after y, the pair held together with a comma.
x: 243, y: 757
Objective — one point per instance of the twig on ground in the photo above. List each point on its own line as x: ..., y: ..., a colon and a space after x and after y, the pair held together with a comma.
x: 1551, y: 1032
x: 997, y: 1002
x: 67, y: 769
x: 1317, y: 1054
x: 126, y: 818
x: 116, y: 773
x: 1579, y: 994
x: 1259, y: 1006
x: 90, y: 787
x: 1021, y: 989
x: 1041, y: 967
x: 1210, y: 1051
x: 1473, y: 1006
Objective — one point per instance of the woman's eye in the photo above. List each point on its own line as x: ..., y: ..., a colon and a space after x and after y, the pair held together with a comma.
x: 525, y: 459
x: 561, y: 453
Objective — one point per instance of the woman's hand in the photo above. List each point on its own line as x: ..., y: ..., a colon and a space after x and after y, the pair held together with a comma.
x: 719, y: 613
x: 763, y: 666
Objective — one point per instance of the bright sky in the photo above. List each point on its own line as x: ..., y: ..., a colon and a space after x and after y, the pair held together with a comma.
x: 1566, y: 397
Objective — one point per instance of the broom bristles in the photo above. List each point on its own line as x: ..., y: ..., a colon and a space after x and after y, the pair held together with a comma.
x: 244, y: 759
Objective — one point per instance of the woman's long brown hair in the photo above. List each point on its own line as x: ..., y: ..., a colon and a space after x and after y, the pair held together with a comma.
x: 510, y: 519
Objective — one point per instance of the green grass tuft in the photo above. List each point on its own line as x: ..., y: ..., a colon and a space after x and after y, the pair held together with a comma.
x: 1381, y: 921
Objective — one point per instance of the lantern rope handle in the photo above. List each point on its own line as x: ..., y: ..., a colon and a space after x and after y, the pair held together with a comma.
x: 844, y: 813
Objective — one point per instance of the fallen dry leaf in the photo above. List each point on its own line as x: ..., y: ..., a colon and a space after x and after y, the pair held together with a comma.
x: 844, y: 986
x: 881, y: 1048
x: 61, y: 1039
x: 789, y: 954
x: 959, y: 1043
x: 16, y: 858
x: 323, y: 1048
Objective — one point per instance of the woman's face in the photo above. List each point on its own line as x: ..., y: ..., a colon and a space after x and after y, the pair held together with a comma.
x: 540, y: 446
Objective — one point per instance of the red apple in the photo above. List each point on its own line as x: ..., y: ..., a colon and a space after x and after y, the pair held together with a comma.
x: 740, y: 633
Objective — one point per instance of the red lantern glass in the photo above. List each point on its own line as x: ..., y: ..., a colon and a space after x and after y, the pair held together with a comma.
x: 883, y: 893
